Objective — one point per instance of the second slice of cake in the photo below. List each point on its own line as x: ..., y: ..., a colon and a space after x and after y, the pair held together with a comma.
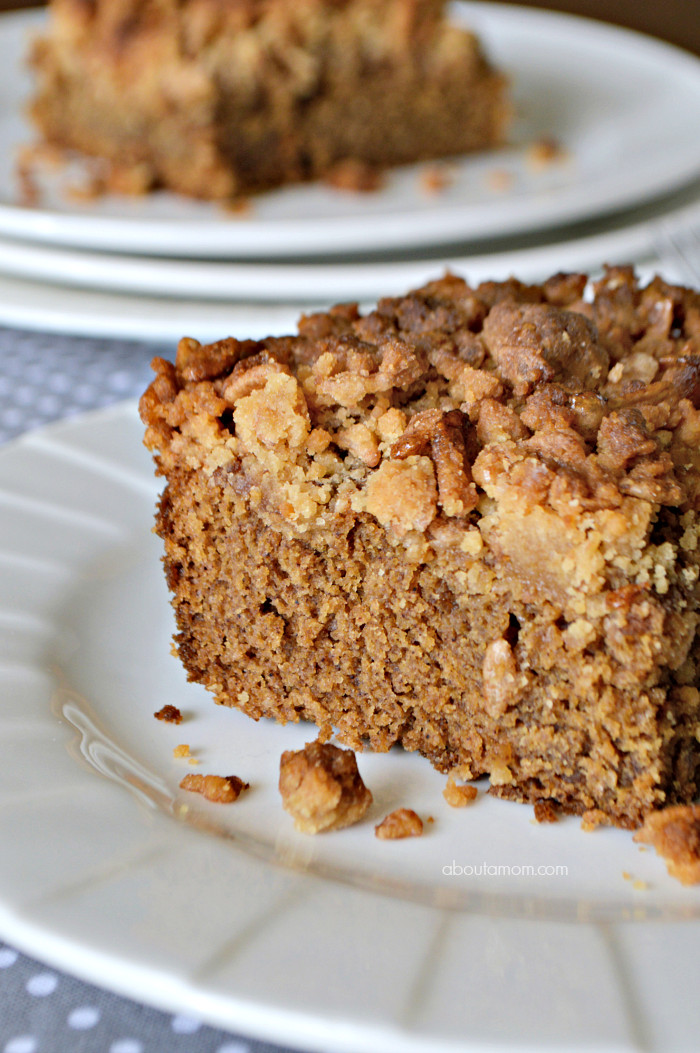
x: 215, y: 98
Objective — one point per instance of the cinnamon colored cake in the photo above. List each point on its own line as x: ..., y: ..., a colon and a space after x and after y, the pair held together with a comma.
x: 215, y: 98
x: 466, y: 522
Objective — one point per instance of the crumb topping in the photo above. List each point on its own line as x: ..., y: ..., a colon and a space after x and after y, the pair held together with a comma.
x: 553, y: 425
x: 321, y: 788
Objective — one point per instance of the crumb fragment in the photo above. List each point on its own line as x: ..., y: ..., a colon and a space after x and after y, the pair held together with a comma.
x: 357, y: 177
x: 544, y: 152
x: 183, y: 750
x: 170, y: 714
x: 593, y: 818
x: 221, y: 789
x: 404, y: 822
x: 456, y: 795
x: 545, y: 812
x: 239, y: 206
x: 499, y: 180
x: 321, y: 787
x: 436, y: 178
x: 675, y: 834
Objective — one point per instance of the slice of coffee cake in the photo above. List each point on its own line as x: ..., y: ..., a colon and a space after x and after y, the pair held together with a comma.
x: 466, y: 522
x: 215, y: 98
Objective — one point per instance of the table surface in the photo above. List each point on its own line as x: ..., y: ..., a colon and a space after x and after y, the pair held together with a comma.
x: 41, y: 1009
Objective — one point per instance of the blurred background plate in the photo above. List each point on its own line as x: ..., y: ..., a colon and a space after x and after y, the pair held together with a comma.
x: 620, y: 105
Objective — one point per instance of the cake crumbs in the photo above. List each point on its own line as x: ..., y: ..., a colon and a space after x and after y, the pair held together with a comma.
x: 545, y: 152
x: 675, y: 834
x: 169, y: 714
x: 403, y: 822
x: 183, y: 750
x: 240, y: 207
x: 592, y: 819
x: 436, y: 178
x: 545, y: 812
x: 321, y: 787
x: 220, y: 789
x: 500, y: 180
x: 458, y: 796
x: 356, y: 177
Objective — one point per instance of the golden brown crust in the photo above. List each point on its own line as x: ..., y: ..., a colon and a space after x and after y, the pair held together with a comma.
x: 481, y: 545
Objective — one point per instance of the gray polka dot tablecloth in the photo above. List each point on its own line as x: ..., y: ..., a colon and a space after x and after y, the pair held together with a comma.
x: 44, y: 377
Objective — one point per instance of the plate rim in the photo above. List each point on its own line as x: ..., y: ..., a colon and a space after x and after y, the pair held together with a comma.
x: 332, y: 1032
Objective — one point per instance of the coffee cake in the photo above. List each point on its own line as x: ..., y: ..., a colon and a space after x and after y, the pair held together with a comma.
x: 465, y: 522
x: 216, y: 98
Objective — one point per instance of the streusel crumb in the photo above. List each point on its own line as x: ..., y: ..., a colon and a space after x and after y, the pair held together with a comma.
x: 457, y: 794
x: 220, y: 789
x: 403, y: 822
x: 169, y: 714
x: 322, y: 788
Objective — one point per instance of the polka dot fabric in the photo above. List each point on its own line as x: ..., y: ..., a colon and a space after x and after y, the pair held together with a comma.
x: 43, y: 1011
x: 44, y: 378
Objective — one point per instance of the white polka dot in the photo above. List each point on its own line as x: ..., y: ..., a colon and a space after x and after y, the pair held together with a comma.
x: 83, y: 1018
x: 126, y: 1045
x: 48, y: 404
x: 234, y: 1047
x: 42, y: 984
x: 185, y: 1025
x: 22, y: 1044
x: 8, y: 957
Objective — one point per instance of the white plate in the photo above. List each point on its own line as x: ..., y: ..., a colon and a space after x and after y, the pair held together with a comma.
x: 620, y: 103
x: 82, y: 312
x: 333, y: 943
x: 329, y: 282
x: 49, y: 307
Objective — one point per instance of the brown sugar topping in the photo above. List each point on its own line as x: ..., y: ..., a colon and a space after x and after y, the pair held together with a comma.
x: 321, y: 788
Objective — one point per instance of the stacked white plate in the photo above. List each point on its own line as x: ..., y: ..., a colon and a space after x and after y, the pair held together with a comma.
x: 620, y: 106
